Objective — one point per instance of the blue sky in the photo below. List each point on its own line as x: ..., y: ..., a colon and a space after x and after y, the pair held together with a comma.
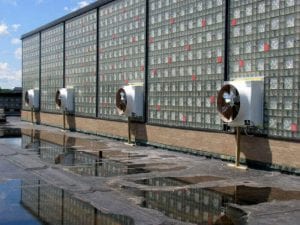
x: 18, y: 17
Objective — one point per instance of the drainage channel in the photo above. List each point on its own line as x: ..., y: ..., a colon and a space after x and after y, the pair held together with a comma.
x: 35, y: 202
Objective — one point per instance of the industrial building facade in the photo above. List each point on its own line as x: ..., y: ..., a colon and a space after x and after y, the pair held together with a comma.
x: 181, y: 52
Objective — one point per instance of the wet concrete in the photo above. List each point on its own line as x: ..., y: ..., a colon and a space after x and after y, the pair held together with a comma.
x: 140, y: 185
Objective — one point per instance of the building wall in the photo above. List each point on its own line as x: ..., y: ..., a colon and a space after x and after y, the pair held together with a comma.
x: 264, y: 41
x: 121, y: 51
x: 30, y: 65
x: 186, y: 65
x: 81, y: 50
x: 182, y: 51
x: 11, y: 103
x: 52, y: 66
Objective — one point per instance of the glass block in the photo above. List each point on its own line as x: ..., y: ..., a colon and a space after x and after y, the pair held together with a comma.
x: 275, y: 24
x: 274, y: 43
x: 288, y: 103
x: 290, y: 42
x: 248, y: 29
x: 275, y: 4
x: 287, y: 122
x: 273, y: 122
x: 274, y: 64
x: 290, y: 21
x: 290, y: 3
x: 273, y: 103
x: 288, y: 83
x: 273, y: 83
x: 248, y: 10
x: 261, y: 7
x: 260, y: 65
x: 289, y: 62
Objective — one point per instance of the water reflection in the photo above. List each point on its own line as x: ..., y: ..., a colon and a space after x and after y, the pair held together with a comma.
x: 56, y: 206
x: 10, y: 136
x: 86, y: 157
x: 11, y: 212
x: 210, y: 205
x: 176, y: 181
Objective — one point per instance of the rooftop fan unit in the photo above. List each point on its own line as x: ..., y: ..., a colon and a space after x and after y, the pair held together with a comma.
x: 240, y: 103
x: 32, y: 98
x: 64, y: 99
x: 130, y: 100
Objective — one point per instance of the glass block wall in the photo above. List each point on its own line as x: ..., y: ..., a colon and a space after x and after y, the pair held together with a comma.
x: 121, y: 51
x: 186, y: 60
x: 30, y: 64
x: 52, y: 45
x: 265, y: 41
x: 80, y: 61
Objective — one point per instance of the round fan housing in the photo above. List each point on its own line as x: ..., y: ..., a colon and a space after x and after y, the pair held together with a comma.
x: 64, y: 99
x: 240, y: 103
x: 130, y: 101
x: 31, y: 98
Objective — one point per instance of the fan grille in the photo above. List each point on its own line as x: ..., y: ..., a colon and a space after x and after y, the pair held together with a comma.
x: 26, y: 97
x: 121, y: 100
x: 228, y: 103
x: 58, y: 99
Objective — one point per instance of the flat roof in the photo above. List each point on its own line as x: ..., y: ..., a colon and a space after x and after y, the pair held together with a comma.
x: 69, y: 16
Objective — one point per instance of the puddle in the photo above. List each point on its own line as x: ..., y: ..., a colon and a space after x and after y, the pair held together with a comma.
x: 11, y: 211
x: 33, y: 202
x: 108, y: 168
x: 246, y: 195
x: 209, y: 205
x: 176, y: 181
x: 10, y: 132
x: 10, y: 136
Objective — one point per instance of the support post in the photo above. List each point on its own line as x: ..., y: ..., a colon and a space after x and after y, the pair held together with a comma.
x: 32, y: 115
x: 129, y: 130
x: 238, y: 146
x: 64, y: 120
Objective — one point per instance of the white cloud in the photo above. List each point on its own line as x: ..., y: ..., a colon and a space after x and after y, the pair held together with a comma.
x: 3, y: 29
x: 15, y: 27
x: 79, y: 5
x: 9, y: 77
x: 15, y: 41
x: 18, y: 53
x: 83, y: 4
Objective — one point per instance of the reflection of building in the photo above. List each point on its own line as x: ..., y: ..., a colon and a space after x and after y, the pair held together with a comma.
x: 11, y: 101
x: 55, y: 206
x: 10, y: 132
x: 80, y: 162
x: 200, y: 206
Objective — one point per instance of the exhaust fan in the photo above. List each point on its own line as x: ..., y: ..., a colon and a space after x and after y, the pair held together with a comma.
x: 240, y: 103
x: 64, y: 99
x: 32, y: 98
x: 130, y: 101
